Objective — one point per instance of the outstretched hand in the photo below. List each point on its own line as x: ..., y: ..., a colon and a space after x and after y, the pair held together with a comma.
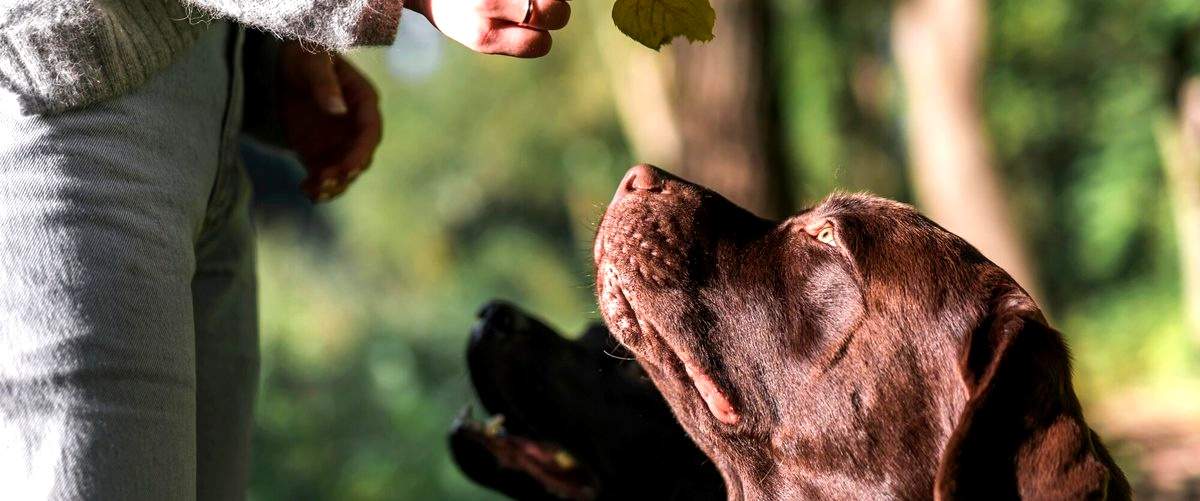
x: 330, y: 115
x: 519, y: 28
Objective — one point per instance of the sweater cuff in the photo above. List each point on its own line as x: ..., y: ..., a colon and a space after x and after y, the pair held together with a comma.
x: 378, y: 22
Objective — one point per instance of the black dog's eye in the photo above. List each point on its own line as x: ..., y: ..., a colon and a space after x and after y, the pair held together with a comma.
x: 826, y: 235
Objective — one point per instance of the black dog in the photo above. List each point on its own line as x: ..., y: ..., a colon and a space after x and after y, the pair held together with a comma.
x: 572, y: 419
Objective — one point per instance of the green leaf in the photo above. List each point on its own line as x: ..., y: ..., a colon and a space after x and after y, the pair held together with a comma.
x: 655, y: 22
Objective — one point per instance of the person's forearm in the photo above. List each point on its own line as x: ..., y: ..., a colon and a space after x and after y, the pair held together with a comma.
x: 332, y: 24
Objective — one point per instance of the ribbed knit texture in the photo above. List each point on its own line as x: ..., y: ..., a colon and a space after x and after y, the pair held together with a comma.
x: 59, y: 54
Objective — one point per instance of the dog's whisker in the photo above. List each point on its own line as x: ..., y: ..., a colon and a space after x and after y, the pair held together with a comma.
x: 618, y: 357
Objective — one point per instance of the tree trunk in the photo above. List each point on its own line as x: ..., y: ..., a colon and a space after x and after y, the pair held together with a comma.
x: 1179, y: 145
x: 708, y: 111
x: 938, y: 45
x: 641, y: 83
x: 727, y: 104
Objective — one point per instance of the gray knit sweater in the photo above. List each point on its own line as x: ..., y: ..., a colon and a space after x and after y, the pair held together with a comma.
x: 57, y: 54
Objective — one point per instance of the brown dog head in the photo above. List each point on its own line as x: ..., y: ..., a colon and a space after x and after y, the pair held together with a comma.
x: 854, y: 350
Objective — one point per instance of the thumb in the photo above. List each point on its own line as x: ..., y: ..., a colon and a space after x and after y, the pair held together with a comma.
x: 318, y: 71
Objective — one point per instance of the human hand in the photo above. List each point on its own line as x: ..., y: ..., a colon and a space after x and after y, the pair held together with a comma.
x: 330, y: 116
x: 518, y: 28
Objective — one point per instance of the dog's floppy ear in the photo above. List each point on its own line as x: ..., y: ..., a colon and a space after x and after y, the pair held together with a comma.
x: 1022, y: 433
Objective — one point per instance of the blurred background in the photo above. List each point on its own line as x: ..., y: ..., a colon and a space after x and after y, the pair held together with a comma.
x: 1062, y: 137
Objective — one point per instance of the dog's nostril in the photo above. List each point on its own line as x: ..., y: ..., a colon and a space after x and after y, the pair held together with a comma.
x: 493, y: 319
x: 641, y: 177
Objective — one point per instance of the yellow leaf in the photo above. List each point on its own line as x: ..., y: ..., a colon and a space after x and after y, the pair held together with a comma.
x: 656, y: 22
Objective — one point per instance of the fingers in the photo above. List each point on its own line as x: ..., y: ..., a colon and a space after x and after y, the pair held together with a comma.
x: 328, y: 181
x: 517, y: 28
x: 512, y: 39
x: 549, y: 14
x: 321, y: 189
x: 323, y: 82
x: 367, y: 120
x: 539, y: 14
x: 324, y: 184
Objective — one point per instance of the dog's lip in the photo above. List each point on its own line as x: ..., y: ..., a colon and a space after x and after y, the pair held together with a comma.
x: 598, y: 248
x: 714, y: 398
x: 710, y: 392
x: 718, y: 404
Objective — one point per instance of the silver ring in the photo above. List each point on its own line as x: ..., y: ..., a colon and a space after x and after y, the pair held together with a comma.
x: 528, y: 12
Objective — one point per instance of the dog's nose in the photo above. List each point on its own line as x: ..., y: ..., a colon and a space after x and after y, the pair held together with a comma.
x: 641, y: 177
x: 495, y: 316
x: 495, y: 311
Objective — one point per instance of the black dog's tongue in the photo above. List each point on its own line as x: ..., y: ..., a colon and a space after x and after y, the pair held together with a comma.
x: 520, y: 467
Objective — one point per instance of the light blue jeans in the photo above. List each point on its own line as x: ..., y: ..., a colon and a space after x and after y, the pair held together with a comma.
x: 128, y: 321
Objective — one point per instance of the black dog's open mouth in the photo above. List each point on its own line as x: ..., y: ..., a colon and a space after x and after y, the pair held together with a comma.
x: 513, y: 450
x: 570, y: 419
x: 487, y: 449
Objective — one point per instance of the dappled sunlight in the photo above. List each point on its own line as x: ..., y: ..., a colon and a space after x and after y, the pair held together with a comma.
x: 493, y: 173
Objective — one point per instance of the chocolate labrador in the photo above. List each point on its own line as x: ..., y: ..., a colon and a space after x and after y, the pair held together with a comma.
x: 571, y: 419
x: 856, y: 350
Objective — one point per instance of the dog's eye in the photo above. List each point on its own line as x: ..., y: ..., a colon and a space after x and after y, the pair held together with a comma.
x: 825, y: 235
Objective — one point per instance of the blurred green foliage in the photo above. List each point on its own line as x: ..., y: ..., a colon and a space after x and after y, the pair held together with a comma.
x: 494, y: 171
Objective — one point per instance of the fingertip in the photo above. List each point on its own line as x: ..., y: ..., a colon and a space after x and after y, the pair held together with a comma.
x: 326, y: 89
x: 514, y: 40
x: 539, y: 46
x: 334, y: 104
x: 536, y: 44
x: 565, y: 17
x: 550, y: 15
